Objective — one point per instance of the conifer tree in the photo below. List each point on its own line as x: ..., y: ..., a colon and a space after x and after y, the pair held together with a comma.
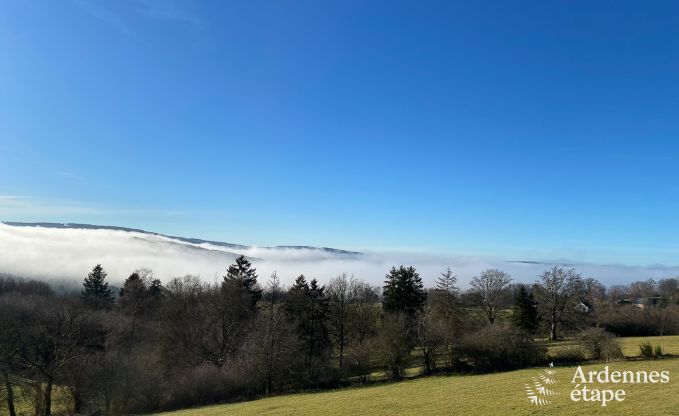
x: 243, y: 273
x: 96, y: 292
x: 525, y: 310
x: 403, y: 291
x: 306, y: 304
x: 445, y: 299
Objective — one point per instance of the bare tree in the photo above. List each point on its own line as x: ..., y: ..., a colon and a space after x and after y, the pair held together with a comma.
x: 395, y: 344
x: 55, y: 339
x: 274, y: 335
x: 364, y: 312
x: 340, y: 296
x: 594, y: 296
x: 556, y: 293
x: 10, y: 337
x: 428, y: 339
x: 490, y: 287
x: 617, y: 293
x: 669, y: 291
x: 352, y: 312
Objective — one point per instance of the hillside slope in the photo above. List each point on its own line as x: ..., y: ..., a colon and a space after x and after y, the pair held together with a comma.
x: 492, y: 394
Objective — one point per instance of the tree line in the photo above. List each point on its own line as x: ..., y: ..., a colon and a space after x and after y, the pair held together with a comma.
x: 151, y: 346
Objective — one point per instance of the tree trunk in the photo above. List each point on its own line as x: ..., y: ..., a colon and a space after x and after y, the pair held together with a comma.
x: 10, y: 395
x: 107, y: 401
x: 77, y: 401
x: 48, y: 398
x: 552, y: 332
x: 341, y: 350
x: 427, y: 362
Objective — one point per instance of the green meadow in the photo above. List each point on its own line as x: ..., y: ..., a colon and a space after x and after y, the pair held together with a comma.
x: 490, y: 394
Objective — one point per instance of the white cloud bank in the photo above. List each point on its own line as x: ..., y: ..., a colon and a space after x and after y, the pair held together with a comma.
x: 67, y: 253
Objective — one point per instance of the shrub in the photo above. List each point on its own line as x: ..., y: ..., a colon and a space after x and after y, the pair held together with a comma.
x: 202, y: 385
x: 600, y: 345
x: 646, y: 350
x: 500, y: 347
x: 571, y: 354
x: 629, y: 320
x: 358, y: 360
x: 658, y: 351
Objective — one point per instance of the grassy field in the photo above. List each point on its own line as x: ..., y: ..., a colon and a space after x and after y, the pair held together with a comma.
x: 501, y: 393
x: 630, y: 345
x: 493, y: 394
x: 61, y: 402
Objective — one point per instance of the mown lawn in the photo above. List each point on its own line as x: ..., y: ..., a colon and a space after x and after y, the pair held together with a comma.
x: 493, y: 394
x: 501, y: 393
x: 630, y: 345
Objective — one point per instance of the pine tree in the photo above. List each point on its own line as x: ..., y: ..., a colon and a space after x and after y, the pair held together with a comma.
x: 445, y: 299
x: 155, y: 289
x: 243, y: 273
x: 306, y: 304
x: 403, y: 291
x: 525, y: 311
x: 447, y: 311
x: 274, y: 291
x: 133, y: 285
x: 447, y: 282
x: 96, y: 292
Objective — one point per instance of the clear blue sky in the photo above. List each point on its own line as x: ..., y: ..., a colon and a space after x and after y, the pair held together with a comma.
x: 532, y: 129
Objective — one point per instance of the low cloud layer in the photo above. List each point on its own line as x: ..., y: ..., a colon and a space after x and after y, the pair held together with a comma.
x: 68, y: 254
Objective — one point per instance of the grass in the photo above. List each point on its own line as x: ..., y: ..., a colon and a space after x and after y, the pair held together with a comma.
x: 61, y: 402
x: 492, y: 394
x: 501, y: 393
x: 630, y: 345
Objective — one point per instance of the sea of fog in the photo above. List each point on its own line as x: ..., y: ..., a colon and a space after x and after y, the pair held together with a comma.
x: 64, y: 254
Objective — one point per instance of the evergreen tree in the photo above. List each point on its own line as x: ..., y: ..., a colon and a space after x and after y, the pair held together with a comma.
x: 274, y: 291
x: 243, y: 273
x: 155, y: 289
x: 525, y: 310
x: 307, y: 305
x: 140, y: 292
x: 445, y: 300
x: 447, y: 282
x: 96, y: 292
x: 403, y: 291
x: 133, y: 286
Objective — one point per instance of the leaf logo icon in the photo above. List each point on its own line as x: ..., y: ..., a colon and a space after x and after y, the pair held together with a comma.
x: 538, y: 390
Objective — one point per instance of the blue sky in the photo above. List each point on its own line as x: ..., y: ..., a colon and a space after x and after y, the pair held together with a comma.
x: 536, y: 130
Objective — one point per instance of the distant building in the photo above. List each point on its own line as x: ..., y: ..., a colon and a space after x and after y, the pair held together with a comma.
x: 581, y: 307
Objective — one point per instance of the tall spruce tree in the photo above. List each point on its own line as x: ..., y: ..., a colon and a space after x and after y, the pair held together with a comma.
x: 403, y: 291
x: 306, y: 304
x: 525, y: 310
x: 96, y: 292
x: 445, y: 300
x: 243, y: 273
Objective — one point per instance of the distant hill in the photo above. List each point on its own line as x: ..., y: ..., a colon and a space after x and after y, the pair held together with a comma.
x: 196, y: 241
